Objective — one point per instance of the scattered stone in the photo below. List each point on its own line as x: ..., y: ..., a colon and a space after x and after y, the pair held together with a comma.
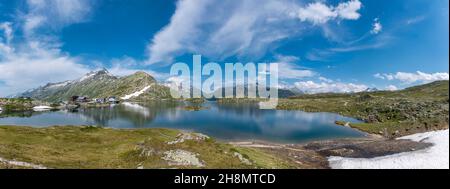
x: 21, y: 164
x: 145, y: 150
x: 242, y: 158
x: 182, y: 158
x: 188, y: 136
x: 140, y: 166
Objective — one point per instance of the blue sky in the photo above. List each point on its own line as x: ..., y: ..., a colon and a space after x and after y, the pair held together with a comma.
x: 322, y: 46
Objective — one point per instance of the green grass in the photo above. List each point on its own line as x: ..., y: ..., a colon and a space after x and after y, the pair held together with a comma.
x: 393, y: 114
x: 264, y: 159
x: 89, y: 147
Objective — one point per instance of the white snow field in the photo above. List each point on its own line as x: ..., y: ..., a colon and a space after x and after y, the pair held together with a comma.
x: 136, y: 94
x: 434, y: 157
x: 41, y: 108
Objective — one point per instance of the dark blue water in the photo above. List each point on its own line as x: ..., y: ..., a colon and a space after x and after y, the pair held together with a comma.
x: 225, y: 122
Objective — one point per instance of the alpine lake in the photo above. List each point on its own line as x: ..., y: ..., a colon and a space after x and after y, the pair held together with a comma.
x: 226, y: 122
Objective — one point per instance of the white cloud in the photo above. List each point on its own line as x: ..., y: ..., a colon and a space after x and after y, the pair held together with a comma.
x: 377, y: 27
x: 55, y: 14
x: 379, y: 76
x: 415, y: 20
x: 23, y: 71
x: 349, y: 10
x: 37, y: 59
x: 391, y: 88
x: 327, y: 87
x: 325, y: 80
x: 375, y: 43
x: 8, y: 32
x: 246, y: 29
x: 373, y: 39
x: 292, y: 71
x: 5, y: 40
x: 414, y: 77
x: 176, y: 83
x: 288, y: 69
x: 33, y: 65
x: 319, y: 13
x: 127, y: 66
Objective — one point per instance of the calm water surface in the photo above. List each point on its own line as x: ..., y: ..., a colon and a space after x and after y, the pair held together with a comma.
x: 225, y: 122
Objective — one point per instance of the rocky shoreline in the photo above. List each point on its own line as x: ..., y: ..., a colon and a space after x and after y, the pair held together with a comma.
x: 315, y: 154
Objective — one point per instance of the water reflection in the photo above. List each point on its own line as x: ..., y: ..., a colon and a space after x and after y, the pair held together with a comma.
x: 227, y: 122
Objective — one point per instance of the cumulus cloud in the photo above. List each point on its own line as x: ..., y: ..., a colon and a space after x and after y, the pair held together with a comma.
x: 22, y: 71
x: 33, y: 65
x: 246, y: 29
x: 319, y: 13
x: 409, y: 78
x: 312, y: 87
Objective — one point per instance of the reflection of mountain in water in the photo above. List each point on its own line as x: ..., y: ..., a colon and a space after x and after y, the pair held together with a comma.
x: 243, y: 121
x: 19, y: 114
x: 139, y: 115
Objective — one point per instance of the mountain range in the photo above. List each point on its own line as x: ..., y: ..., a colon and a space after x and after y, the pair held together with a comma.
x: 102, y: 84
x: 139, y: 86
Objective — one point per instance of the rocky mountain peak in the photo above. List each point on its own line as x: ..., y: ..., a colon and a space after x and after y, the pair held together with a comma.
x: 102, y: 71
x: 97, y: 74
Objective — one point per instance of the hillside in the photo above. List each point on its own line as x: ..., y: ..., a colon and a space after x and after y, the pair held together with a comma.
x: 87, y: 147
x: 101, y: 84
x: 397, y: 113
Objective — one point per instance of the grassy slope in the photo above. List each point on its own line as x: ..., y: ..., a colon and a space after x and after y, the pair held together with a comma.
x: 392, y: 114
x: 92, y: 147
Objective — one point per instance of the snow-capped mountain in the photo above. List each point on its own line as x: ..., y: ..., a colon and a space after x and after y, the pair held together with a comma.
x: 101, y: 84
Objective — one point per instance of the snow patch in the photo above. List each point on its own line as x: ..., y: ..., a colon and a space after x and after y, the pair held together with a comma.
x: 136, y: 94
x: 86, y: 77
x: 41, y: 108
x: 63, y: 84
x: 434, y: 157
